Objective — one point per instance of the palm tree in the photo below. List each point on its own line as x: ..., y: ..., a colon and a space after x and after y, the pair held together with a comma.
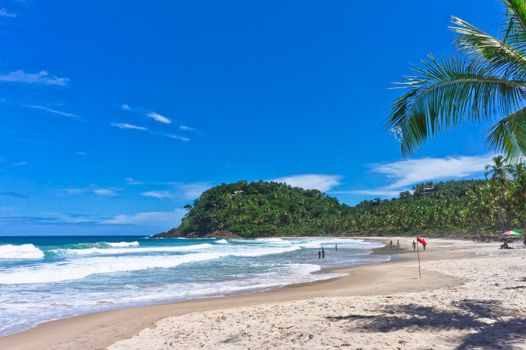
x: 487, y: 83
x: 519, y: 191
x: 499, y: 171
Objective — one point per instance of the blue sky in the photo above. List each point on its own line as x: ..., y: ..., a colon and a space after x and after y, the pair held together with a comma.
x: 114, y: 116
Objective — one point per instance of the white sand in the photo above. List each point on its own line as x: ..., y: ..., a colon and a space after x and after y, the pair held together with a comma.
x: 488, y: 311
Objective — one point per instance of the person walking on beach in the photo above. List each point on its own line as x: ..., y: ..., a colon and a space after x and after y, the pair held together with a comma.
x: 414, y: 246
x: 391, y: 245
x: 397, y: 244
x: 322, y: 253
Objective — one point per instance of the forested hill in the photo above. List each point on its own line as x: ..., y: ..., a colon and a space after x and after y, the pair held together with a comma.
x: 259, y: 209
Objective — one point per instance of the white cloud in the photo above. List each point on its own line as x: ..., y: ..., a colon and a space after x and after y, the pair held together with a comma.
x: 177, y: 137
x: 406, y: 173
x: 128, y: 126
x: 158, y: 194
x: 159, y: 118
x: 153, y: 218
x: 5, y: 13
x: 409, y: 172
x: 193, y: 190
x: 81, y: 153
x: 186, y: 128
x: 132, y: 181
x: 42, y: 78
x: 373, y: 193
x: 126, y: 107
x: 54, y: 111
x: 72, y: 191
x: 104, y: 192
x: 320, y: 182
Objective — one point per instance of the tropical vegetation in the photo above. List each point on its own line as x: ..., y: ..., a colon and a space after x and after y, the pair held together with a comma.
x: 486, y: 83
x: 258, y: 209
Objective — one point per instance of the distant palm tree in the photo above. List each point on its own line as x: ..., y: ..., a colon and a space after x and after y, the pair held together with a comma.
x: 499, y: 171
x: 488, y: 84
x: 519, y: 191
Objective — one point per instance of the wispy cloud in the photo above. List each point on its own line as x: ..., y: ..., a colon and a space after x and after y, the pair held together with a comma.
x: 5, y: 13
x: 128, y: 126
x: 132, y: 181
x: 22, y: 163
x: 98, y: 191
x: 373, y: 193
x: 153, y: 218
x: 320, y: 182
x: 126, y: 107
x: 40, y: 78
x: 13, y: 194
x: 104, y: 192
x: 409, y: 172
x: 186, y: 128
x: 406, y: 173
x: 159, y: 118
x: 193, y: 190
x: 141, y: 128
x: 158, y: 194
x: 177, y: 137
x: 53, y: 111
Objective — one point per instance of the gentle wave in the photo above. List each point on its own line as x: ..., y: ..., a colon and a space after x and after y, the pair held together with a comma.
x: 123, y: 244
x: 341, y: 242
x: 222, y: 241
x: 24, y: 251
x: 141, y: 250
x: 81, y: 268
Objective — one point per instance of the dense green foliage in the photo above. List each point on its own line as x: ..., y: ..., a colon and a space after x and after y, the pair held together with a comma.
x: 449, y: 208
x: 262, y: 209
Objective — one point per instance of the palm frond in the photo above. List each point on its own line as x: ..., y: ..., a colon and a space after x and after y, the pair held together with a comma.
x: 516, y: 15
x: 497, y: 53
x: 450, y: 92
x: 509, y: 135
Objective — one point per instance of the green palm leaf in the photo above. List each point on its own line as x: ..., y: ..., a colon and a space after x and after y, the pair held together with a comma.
x: 509, y: 134
x: 490, y: 83
x: 448, y: 93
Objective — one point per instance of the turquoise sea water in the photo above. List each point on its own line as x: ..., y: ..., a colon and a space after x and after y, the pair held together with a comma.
x: 48, y: 278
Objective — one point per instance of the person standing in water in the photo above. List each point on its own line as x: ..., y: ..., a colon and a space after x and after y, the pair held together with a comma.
x: 322, y: 253
x: 319, y: 254
x: 336, y: 247
x: 414, y: 246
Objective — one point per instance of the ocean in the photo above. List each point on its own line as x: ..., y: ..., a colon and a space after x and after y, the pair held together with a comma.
x: 50, y: 278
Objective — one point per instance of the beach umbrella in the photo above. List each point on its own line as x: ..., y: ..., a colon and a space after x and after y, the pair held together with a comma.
x: 511, y: 234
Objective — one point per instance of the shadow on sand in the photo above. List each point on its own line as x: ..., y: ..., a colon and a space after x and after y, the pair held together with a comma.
x: 492, y: 326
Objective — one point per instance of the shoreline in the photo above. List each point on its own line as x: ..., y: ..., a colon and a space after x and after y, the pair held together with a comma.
x: 101, y: 329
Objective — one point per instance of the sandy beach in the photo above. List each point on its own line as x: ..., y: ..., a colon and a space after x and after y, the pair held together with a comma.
x: 471, y: 295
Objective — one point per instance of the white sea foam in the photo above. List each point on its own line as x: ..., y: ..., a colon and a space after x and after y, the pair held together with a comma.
x: 123, y: 244
x: 75, y: 269
x: 313, y: 243
x: 81, y: 279
x: 140, y: 250
x: 24, y: 251
x: 271, y: 240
